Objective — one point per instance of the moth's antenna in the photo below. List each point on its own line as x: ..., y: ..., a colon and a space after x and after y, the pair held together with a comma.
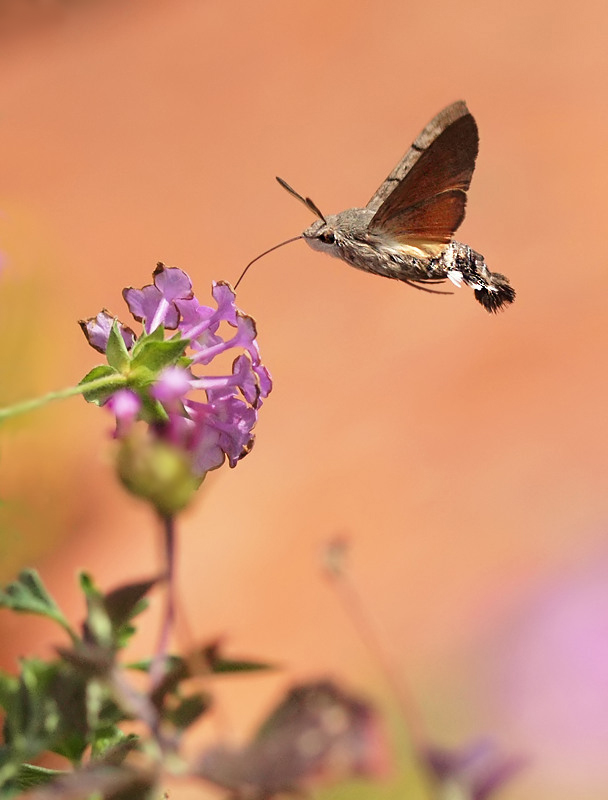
x: 310, y: 205
x: 265, y: 253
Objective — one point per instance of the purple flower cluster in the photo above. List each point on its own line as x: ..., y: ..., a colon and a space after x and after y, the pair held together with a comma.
x: 209, y: 416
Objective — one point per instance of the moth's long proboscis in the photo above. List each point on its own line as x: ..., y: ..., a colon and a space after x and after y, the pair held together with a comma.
x: 265, y: 253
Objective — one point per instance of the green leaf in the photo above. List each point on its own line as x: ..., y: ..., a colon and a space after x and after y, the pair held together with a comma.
x: 127, y: 631
x: 9, y: 767
x: 32, y: 718
x: 28, y: 595
x: 111, y: 746
x: 8, y: 681
x: 188, y: 711
x: 203, y: 661
x: 109, y: 616
x: 102, y: 783
x: 71, y: 746
x: 89, y: 715
x: 99, y: 396
x: 72, y: 735
x: 88, y: 586
x: 219, y: 665
x: 116, y: 350
x: 29, y: 776
x: 224, y: 665
x: 172, y: 663
x: 123, y: 603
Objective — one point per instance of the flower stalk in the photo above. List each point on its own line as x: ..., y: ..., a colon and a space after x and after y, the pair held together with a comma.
x: 25, y: 406
x: 158, y: 664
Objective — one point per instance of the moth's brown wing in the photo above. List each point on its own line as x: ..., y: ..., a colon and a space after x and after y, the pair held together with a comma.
x: 428, y: 203
x: 438, y: 124
x: 430, y: 224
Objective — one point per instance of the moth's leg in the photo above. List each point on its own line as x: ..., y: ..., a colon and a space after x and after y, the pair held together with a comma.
x: 421, y: 285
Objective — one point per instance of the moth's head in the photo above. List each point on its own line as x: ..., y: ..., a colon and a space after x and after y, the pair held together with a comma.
x: 330, y: 233
x: 321, y: 235
x: 335, y: 231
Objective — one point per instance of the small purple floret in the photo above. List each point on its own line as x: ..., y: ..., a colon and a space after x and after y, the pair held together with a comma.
x: 173, y: 384
x: 125, y: 405
x: 97, y: 330
x: 154, y: 305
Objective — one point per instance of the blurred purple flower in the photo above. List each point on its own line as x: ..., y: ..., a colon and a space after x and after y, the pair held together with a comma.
x: 478, y: 771
x: 318, y: 733
x: 125, y: 405
x: 209, y: 416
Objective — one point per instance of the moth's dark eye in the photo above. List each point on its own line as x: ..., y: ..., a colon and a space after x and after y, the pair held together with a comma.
x: 327, y: 238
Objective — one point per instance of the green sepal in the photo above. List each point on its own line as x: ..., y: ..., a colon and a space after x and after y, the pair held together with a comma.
x: 153, y: 356
x: 152, y: 410
x: 143, y: 341
x: 116, y: 350
x: 157, y: 335
x: 100, y: 395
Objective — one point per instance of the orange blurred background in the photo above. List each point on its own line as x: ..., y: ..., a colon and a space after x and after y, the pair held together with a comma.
x: 464, y: 455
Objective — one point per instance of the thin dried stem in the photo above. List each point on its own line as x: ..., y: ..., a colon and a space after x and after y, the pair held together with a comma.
x: 351, y: 600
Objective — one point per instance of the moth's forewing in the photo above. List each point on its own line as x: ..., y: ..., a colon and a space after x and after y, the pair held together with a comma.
x: 429, y: 225
x: 428, y: 204
x: 438, y: 124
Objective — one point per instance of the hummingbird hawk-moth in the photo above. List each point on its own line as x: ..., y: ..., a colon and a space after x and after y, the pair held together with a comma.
x: 405, y: 231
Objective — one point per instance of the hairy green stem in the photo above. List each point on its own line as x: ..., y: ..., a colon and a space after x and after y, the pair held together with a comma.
x: 82, y: 388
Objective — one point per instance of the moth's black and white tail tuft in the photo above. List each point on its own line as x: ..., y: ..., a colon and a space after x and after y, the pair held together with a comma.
x: 492, y: 289
x: 496, y: 292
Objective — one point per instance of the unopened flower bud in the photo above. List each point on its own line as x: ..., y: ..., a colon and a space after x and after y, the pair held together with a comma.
x: 157, y: 472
